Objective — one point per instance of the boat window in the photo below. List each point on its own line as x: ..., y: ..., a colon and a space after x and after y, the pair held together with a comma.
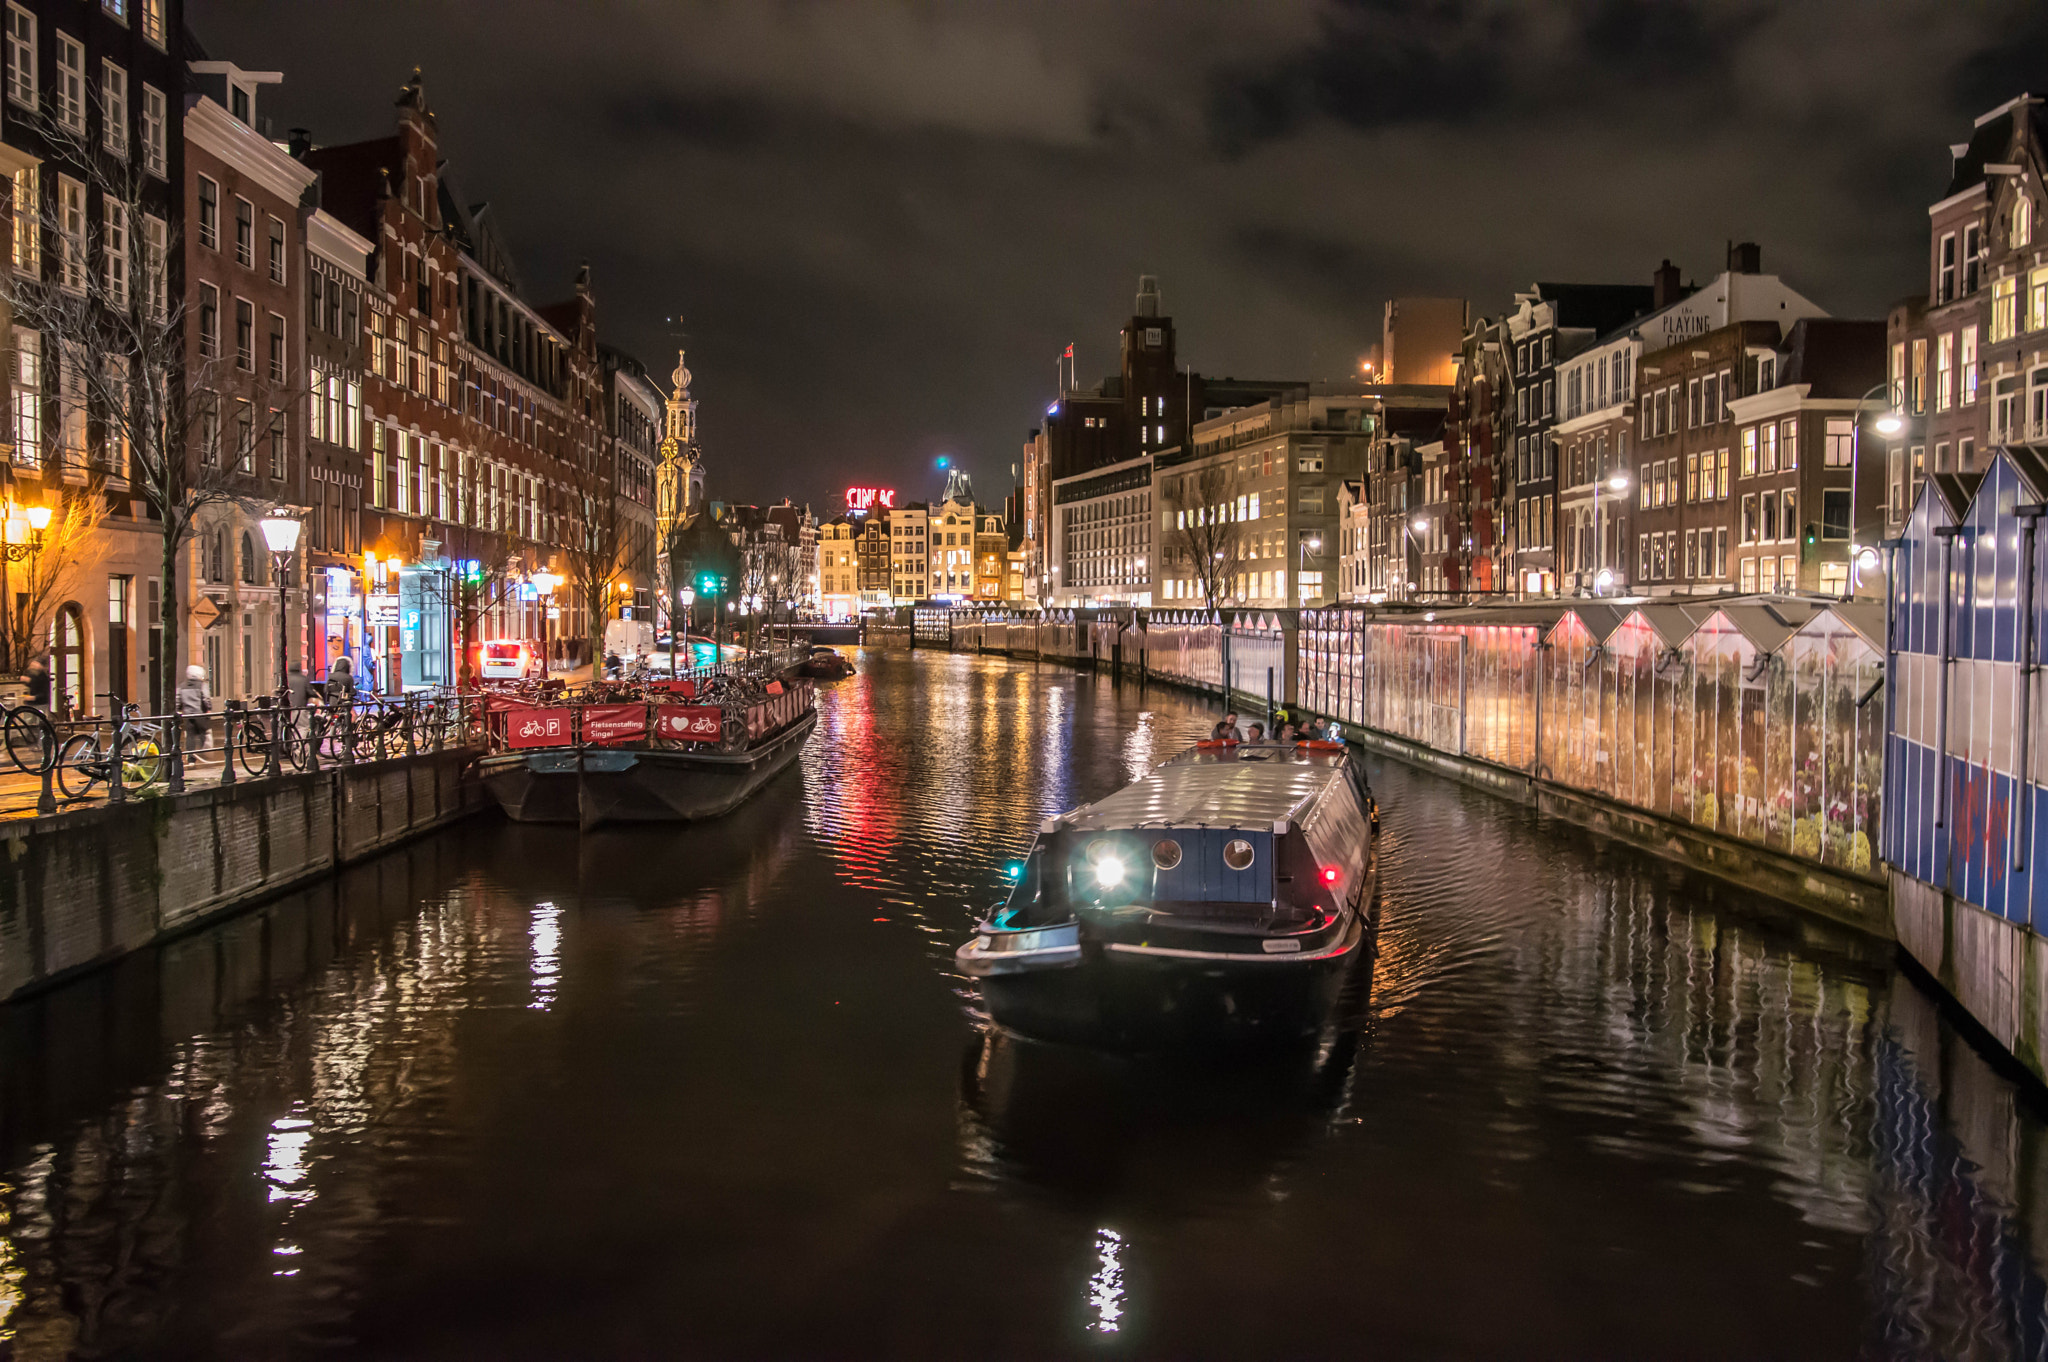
x: 1166, y: 853
x: 1238, y: 854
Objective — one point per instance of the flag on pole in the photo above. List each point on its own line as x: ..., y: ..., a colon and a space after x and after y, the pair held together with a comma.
x: 1070, y: 351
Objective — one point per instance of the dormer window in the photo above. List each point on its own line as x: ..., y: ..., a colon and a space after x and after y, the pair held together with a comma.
x: 242, y: 104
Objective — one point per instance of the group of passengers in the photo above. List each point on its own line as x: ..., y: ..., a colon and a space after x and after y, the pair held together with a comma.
x: 1287, y: 729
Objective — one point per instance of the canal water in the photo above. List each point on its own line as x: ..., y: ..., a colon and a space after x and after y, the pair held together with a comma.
x: 720, y: 1093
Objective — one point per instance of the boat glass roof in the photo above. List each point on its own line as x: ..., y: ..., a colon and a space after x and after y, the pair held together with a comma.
x: 1242, y: 786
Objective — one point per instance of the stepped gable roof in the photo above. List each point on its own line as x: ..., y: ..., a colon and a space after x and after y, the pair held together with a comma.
x: 1838, y: 357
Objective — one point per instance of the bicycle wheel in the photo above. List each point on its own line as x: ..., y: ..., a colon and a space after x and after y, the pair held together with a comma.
x: 80, y: 765
x: 31, y: 740
x: 253, y: 748
x: 142, y: 760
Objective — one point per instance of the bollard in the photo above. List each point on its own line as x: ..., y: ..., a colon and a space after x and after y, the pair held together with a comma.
x: 227, y: 750
x: 278, y: 714
x: 117, y: 784
x: 383, y: 731
x: 46, y: 802
x: 174, y: 752
x: 412, y: 712
x: 316, y: 719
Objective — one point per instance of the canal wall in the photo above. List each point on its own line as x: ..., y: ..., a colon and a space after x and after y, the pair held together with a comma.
x: 1736, y: 736
x: 82, y: 888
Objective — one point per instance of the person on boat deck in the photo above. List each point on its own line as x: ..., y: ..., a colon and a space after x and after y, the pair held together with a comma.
x: 1226, y: 730
x: 1257, y: 733
x: 1287, y: 732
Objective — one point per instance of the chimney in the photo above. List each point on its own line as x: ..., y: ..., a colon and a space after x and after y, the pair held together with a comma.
x: 1664, y: 285
x: 301, y: 142
x: 1745, y: 257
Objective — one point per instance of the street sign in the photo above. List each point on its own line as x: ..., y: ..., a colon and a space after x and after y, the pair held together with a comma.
x: 383, y: 608
x: 205, y: 613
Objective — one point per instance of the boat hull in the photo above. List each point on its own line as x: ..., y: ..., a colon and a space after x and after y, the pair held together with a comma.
x: 593, y: 786
x: 1124, y: 996
x: 1125, y: 1000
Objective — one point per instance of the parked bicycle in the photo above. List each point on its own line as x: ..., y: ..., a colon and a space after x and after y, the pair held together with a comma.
x: 31, y: 739
x: 88, y: 759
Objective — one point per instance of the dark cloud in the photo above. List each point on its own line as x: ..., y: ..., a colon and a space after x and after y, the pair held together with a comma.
x: 881, y: 219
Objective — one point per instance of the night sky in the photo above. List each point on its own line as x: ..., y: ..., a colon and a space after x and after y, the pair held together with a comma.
x: 880, y: 222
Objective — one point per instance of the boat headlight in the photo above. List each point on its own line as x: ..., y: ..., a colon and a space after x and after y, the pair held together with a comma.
x: 1109, y: 872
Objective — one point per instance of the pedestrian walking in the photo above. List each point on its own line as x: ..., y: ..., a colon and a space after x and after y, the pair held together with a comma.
x: 369, y: 670
x: 194, y: 704
x: 39, y: 685
x: 341, y: 685
x: 298, y: 686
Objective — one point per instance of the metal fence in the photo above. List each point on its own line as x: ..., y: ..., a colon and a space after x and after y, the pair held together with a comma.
x: 51, y: 763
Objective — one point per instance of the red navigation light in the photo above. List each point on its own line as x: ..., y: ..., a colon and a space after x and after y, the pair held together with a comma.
x: 1329, y: 874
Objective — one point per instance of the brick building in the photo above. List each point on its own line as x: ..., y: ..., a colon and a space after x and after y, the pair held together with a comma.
x: 484, y: 412
x: 247, y: 374
x: 336, y: 272
x: 92, y: 98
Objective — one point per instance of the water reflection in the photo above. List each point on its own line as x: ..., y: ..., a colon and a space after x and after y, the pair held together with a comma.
x: 516, y: 1093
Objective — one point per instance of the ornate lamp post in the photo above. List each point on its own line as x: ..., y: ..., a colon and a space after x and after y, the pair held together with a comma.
x: 545, y: 583
x: 22, y: 530
x: 281, y: 532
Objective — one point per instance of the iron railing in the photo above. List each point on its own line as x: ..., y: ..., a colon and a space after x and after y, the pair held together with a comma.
x: 125, y: 754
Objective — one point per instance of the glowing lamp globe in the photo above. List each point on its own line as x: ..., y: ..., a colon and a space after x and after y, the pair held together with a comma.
x: 280, y: 531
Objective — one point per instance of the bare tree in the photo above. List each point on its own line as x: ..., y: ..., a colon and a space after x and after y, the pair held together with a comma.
x: 770, y: 571
x: 594, y: 537
x: 102, y: 325
x: 485, y: 566
x: 1204, y: 537
x: 31, y: 586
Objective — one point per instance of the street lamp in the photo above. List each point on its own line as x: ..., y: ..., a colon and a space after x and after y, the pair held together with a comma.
x: 545, y: 583
x: 1617, y: 483
x: 1890, y: 423
x: 1307, y: 547
x: 281, y: 532
x: 24, y: 527
x: 1411, y: 528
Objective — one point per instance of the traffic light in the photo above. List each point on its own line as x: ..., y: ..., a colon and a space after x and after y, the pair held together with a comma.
x: 710, y: 584
x: 1808, y: 541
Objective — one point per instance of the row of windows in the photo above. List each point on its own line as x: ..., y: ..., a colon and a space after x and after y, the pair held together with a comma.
x: 1698, y: 402
x: 245, y: 231
x: 67, y: 90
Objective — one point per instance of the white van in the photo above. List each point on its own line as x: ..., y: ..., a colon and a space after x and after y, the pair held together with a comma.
x: 624, y: 638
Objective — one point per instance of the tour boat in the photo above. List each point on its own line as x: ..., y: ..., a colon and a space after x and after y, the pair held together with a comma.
x: 666, y: 758
x: 827, y: 663
x: 1224, y: 895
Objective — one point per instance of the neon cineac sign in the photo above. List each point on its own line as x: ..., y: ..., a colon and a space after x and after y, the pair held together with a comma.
x: 868, y: 498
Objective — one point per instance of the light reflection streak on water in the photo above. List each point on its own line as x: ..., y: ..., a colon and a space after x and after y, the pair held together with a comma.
x: 1106, y: 1287
x: 546, y: 936
x: 284, y: 1164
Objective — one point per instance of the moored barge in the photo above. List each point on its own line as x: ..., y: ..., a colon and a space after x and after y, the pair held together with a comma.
x: 672, y: 754
x: 1224, y: 897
